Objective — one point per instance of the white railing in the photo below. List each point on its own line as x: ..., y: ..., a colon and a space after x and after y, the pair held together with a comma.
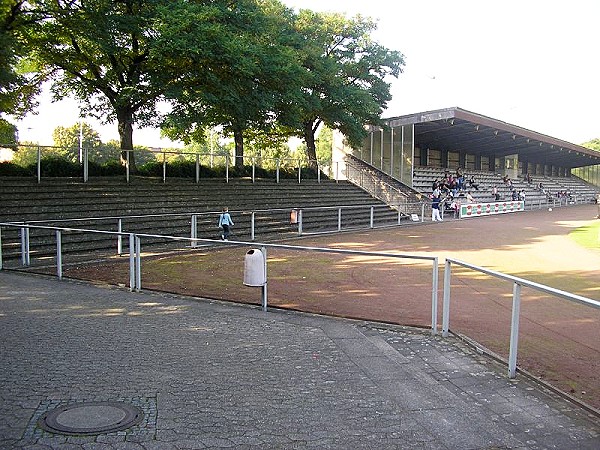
x: 135, y: 251
x: 518, y: 283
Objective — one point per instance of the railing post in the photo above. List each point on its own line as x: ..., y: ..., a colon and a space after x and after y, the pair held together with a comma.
x: 277, y: 171
x: 86, y: 168
x: 422, y: 212
x: 299, y: 171
x: 131, y: 261
x: 194, y: 229
x: 58, y: 255
x: 372, y: 216
x: 318, y: 173
x: 164, y: 167
x: 337, y: 171
x: 25, y: 257
x: 197, y: 168
x: 138, y: 264
x: 339, y: 219
x: 514, y: 331
x: 252, y: 218
x: 434, y: 297
x: 264, y: 286
x: 227, y: 168
x: 39, y: 164
x: 253, y: 168
x: 299, y: 222
x: 1, y: 266
x: 120, y: 237
x: 127, y: 165
x: 446, y: 304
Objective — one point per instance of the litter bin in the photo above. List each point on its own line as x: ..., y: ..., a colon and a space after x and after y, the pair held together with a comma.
x: 293, y: 216
x: 254, y: 268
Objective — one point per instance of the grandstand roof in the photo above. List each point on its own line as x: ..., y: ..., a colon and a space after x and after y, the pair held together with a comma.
x: 456, y: 129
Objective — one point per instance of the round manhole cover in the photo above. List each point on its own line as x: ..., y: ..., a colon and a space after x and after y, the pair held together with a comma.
x: 91, y: 418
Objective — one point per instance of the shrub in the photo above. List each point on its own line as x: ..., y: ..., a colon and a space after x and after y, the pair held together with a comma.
x: 56, y: 166
x: 9, y: 169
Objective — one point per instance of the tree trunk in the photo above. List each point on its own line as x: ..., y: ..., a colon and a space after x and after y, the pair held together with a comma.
x: 238, y: 138
x: 310, y: 128
x: 125, y: 125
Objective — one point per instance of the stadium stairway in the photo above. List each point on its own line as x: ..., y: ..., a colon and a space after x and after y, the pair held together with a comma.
x: 152, y: 206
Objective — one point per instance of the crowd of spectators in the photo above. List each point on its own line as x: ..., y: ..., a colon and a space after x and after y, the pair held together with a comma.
x: 448, y: 192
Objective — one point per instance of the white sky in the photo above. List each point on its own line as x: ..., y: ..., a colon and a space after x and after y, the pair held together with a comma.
x: 532, y: 63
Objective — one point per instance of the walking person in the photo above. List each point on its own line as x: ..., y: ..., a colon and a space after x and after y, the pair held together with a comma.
x: 225, y: 222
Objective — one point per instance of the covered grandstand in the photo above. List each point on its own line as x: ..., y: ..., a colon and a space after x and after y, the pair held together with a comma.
x: 453, y: 137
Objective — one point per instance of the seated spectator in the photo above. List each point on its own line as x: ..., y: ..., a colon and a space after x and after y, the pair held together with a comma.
x: 515, y: 195
x: 495, y: 193
x: 472, y: 183
x: 521, y: 196
x: 470, y: 198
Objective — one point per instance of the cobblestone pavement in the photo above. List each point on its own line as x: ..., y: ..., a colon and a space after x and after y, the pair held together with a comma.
x: 211, y: 375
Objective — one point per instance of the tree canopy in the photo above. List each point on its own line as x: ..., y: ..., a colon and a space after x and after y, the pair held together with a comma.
x: 250, y: 67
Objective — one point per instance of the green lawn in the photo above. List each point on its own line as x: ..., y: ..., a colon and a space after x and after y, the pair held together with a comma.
x: 588, y: 236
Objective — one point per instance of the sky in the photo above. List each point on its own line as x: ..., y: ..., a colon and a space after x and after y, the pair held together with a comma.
x: 531, y: 63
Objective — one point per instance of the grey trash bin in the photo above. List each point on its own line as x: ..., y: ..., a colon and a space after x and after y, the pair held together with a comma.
x: 254, y: 268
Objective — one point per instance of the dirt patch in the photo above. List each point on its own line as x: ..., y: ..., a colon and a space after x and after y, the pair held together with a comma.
x: 559, y: 340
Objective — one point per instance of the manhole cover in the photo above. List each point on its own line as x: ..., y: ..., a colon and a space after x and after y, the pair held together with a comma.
x: 91, y: 418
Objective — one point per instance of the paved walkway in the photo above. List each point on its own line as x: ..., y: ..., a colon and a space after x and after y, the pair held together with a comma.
x: 215, y: 375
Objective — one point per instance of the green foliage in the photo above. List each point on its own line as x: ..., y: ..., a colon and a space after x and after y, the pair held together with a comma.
x: 594, y: 144
x: 8, y: 134
x: 10, y: 169
x: 324, y: 144
x: 57, y: 166
x: 19, y: 82
x: 346, y: 84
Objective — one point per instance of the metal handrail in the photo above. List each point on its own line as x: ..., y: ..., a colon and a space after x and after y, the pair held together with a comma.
x: 518, y: 283
x: 135, y: 256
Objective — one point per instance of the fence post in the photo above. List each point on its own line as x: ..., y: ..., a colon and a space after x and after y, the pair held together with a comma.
x: 164, y: 167
x: 58, y: 255
x: 120, y: 237
x: 25, y: 256
x: 197, y: 168
x: 86, y: 172
x: 194, y: 229
x: 39, y: 164
x: 131, y: 261
x: 264, y: 286
x: 127, y: 165
x: 299, y: 222
x: 446, y: 305
x: 277, y: 171
x: 337, y: 171
x: 422, y: 212
x: 299, y: 172
x: 514, y: 331
x: 138, y: 264
x: 318, y: 173
x: 227, y: 168
x: 340, y: 218
x: 372, y: 216
x: 434, y: 297
x: 252, y: 218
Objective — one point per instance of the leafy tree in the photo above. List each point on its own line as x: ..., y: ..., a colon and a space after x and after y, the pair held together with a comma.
x: 594, y: 144
x: 104, y: 53
x: 69, y: 140
x: 8, y: 134
x: 346, y: 86
x: 238, y: 72
x: 324, y: 146
x: 18, y: 85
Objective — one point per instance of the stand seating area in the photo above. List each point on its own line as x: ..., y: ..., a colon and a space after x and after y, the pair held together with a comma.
x: 579, y: 190
x: 68, y: 203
